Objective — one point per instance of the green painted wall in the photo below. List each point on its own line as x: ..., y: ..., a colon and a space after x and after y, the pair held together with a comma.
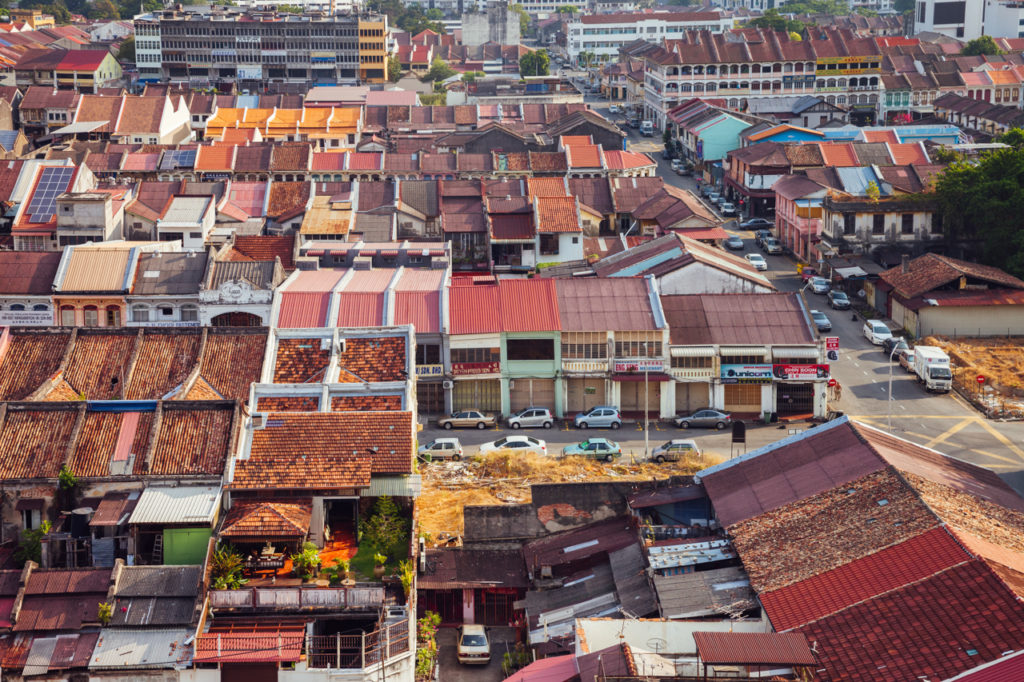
x: 186, y: 545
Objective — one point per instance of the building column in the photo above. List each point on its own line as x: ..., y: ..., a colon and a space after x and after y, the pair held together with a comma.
x: 467, y: 605
x: 820, y: 399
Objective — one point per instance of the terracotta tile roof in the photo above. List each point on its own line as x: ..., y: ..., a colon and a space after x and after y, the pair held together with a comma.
x: 511, y: 161
x: 839, y: 154
x: 232, y: 361
x: 290, y: 157
x: 301, y: 361
x: 365, y: 160
x: 325, y: 450
x: 43, y: 97
x: 584, y: 156
x: 881, y: 136
x: 557, y: 214
x: 891, y: 568
x: 201, y: 390
x: 28, y: 360
x: 253, y: 158
x: 99, y: 363
x: 621, y: 160
x: 33, y: 442
x: 141, y: 115
x: 287, y: 199
x: 366, y: 403
x: 152, y: 198
x: 473, y: 162
x: 546, y: 187
x: 542, y: 162
x: 99, y: 108
x: 164, y: 362
x: 263, y: 248
x: 268, y: 519
x: 287, y: 403
x: 100, y: 436
x: 328, y: 161
x: 932, y: 271
x: 909, y: 633
x: 191, y: 441
x: 372, y: 359
x: 215, y: 158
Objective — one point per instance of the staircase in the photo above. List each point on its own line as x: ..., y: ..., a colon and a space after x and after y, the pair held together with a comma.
x: 158, y: 549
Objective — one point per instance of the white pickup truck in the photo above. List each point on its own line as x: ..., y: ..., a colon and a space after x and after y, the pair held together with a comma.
x: 931, y: 365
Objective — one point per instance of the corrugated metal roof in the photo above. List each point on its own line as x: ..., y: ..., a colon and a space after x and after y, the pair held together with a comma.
x: 96, y: 269
x: 604, y: 304
x: 185, y: 504
x: 186, y: 210
x: 395, y: 486
x: 303, y: 309
x: 754, y: 648
x: 134, y: 648
x: 528, y: 305
x: 360, y: 309
x: 474, y: 310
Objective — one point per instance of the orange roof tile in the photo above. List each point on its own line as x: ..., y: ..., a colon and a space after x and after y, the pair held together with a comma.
x: 100, y: 434
x: 268, y: 519
x: 215, y: 158
x: 880, y: 136
x: 906, y: 153
x: 557, y: 214
x: 99, y: 363
x: 584, y: 156
x: 29, y: 359
x: 191, y: 441
x: 164, y: 362
x: 839, y: 154
x: 545, y: 187
x: 33, y: 442
x: 232, y: 360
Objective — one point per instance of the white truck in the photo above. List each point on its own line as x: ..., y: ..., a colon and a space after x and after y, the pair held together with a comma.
x: 931, y: 365
x: 647, y: 128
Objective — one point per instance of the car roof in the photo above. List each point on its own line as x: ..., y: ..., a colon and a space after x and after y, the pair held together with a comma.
x: 683, y: 441
x: 446, y: 440
x: 470, y: 629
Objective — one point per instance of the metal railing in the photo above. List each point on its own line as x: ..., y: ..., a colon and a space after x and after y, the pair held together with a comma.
x: 358, y: 651
x: 298, y: 597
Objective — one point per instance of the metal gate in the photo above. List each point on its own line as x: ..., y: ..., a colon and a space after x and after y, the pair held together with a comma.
x: 582, y: 394
x: 529, y: 392
x: 690, y: 396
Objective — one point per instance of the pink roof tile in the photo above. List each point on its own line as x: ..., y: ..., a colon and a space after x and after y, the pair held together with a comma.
x: 528, y: 305
x: 418, y: 299
x: 306, y: 300
x: 474, y: 309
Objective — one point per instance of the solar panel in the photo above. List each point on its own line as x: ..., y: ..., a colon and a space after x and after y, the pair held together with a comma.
x: 52, y: 183
x: 178, y: 158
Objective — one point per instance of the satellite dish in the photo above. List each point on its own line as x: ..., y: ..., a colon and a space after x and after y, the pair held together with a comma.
x: 862, y: 294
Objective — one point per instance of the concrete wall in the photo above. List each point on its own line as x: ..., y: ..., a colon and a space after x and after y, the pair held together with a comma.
x: 971, y: 321
x: 702, y: 279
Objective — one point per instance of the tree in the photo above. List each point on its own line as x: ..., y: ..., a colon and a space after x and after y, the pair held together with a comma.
x: 873, y: 192
x: 290, y: 9
x: 386, y: 530
x: 534, y: 63
x: 904, y: 6
x: 104, y: 9
x: 471, y: 76
x: 866, y: 12
x: 434, y: 99
x: 981, y: 45
x: 439, y: 71
x: 524, y: 18
x: 981, y: 204
x: 434, y: 14
x: 585, y: 59
x: 774, y: 21
x: 567, y: 9
x: 1013, y: 137
x: 394, y: 70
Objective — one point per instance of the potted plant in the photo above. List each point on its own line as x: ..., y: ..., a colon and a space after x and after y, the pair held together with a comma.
x: 406, y: 573
x: 306, y: 563
x: 378, y: 564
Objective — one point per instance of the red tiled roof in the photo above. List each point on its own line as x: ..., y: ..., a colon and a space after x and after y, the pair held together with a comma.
x: 840, y: 154
x: 260, y: 645
x: 294, y: 156
x: 232, y: 361
x: 268, y: 519
x: 300, y: 361
x: 545, y: 187
x: 215, y: 157
x: 753, y: 648
x: 191, y: 441
x: 364, y: 160
x: 528, y: 305
x: 474, y: 310
x: 101, y: 433
x: 328, y: 161
x: 584, y: 156
x: 98, y: 363
x: 512, y: 226
x: 33, y: 443
x: 557, y: 214
x: 27, y: 273
x: 374, y: 359
x: 263, y: 247
x: 891, y: 568
x: 164, y: 362
x: 28, y: 360
x: 932, y: 629
x: 287, y: 199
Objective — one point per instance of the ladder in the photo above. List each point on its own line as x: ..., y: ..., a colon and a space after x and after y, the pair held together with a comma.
x: 158, y: 549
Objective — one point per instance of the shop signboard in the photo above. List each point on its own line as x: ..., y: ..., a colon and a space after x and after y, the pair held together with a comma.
x: 640, y: 365
x: 800, y: 372
x: 469, y: 368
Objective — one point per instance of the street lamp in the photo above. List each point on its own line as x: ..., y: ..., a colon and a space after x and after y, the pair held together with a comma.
x: 895, y: 347
x: 647, y: 367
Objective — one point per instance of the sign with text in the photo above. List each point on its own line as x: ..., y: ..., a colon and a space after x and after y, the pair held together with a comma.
x: 644, y: 365
x: 429, y: 370
x: 831, y: 343
x: 467, y: 368
x: 23, y: 318
x: 741, y: 372
x: 800, y: 372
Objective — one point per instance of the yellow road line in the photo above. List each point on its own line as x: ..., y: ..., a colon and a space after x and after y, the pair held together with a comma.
x: 876, y: 417
x: 1002, y: 439
x: 986, y: 453
x: 1008, y: 467
x: 942, y: 437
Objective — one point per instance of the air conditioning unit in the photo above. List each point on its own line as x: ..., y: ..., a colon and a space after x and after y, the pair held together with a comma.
x: 446, y: 385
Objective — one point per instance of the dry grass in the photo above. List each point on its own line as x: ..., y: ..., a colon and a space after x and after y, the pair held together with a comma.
x: 506, y: 477
x: 1000, y: 360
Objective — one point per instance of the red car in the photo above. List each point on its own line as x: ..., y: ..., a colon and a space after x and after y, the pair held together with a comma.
x: 807, y: 273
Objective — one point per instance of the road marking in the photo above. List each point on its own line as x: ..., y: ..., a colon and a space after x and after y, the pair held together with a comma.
x: 868, y: 417
x: 1003, y: 466
x: 1001, y: 438
x: 986, y: 453
x: 948, y: 433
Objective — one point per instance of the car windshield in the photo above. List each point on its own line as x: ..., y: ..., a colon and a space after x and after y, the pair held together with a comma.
x: 940, y: 373
x: 819, y: 316
x: 879, y: 328
x: 474, y: 640
x: 501, y: 441
x: 838, y: 296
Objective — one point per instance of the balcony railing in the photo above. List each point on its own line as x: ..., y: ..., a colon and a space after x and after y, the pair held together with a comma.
x: 288, y: 598
x: 360, y: 651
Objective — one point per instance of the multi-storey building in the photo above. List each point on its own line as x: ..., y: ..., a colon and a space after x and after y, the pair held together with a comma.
x: 604, y: 34
x: 834, y: 64
x: 254, y: 49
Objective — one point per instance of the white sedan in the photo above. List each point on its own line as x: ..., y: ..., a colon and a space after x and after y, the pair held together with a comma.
x: 516, y: 444
x: 757, y: 260
x: 876, y: 332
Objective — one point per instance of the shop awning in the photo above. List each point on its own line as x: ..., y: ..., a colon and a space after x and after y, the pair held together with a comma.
x: 802, y: 352
x: 743, y: 350
x: 850, y: 273
x: 27, y: 503
x: 651, y: 376
x: 264, y: 643
x: 692, y: 351
x: 113, y: 509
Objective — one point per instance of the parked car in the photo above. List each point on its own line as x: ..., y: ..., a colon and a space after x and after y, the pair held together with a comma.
x: 713, y: 197
x: 876, y: 332
x: 757, y: 260
x: 807, y: 272
x: 531, y: 418
x: 820, y: 285
x: 727, y: 208
x: 757, y: 224
x: 517, y: 443
x: 633, y: 122
x: 676, y: 163
x: 707, y: 418
x: 667, y: 154
x: 821, y: 321
x: 594, y: 448
x: 600, y: 416
x: 906, y: 357
x: 473, y: 645
x: 838, y: 300
x: 760, y: 236
x: 614, y: 109
x: 441, y: 448
x: 684, y: 169
x: 771, y: 245
x: 468, y: 419
x: 674, y: 450
x: 894, y: 342
x: 734, y: 242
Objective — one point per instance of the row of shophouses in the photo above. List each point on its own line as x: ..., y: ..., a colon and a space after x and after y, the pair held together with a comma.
x: 496, y: 345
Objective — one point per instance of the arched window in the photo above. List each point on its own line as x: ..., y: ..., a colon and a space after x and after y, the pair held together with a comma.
x: 91, y: 316
x: 189, y: 313
x: 40, y: 307
x: 841, y: 99
x: 113, y: 316
x: 140, y: 313
x: 744, y: 68
x: 712, y: 69
x: 17, y: 306
x: 67, y: 316
x: 685, y: 87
